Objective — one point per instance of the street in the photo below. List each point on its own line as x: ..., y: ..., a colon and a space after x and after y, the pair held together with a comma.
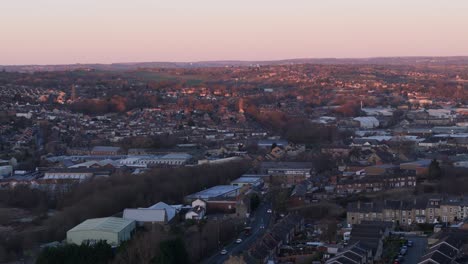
x: 259, y: 218
x: 415, y: 252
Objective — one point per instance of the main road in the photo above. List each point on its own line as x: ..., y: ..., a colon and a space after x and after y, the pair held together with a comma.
x: 259, y: 221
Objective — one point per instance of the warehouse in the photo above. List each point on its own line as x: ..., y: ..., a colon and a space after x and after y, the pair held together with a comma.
x: 219, y: 192
x: 161, y: 213
x: 247, y: 181
x: 113, y: 230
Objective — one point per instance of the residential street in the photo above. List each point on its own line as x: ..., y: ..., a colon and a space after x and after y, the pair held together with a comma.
x: 417, y: 250
x: 260, y: 218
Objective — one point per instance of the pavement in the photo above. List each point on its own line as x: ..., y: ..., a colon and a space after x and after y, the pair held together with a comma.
x: 258, y: 219
x: 414, y: 253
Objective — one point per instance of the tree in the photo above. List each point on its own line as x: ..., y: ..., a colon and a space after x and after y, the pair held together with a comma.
x: 98, y: 253
x: 172, y: 252
x: 254, y: 202
x: 435, y: 172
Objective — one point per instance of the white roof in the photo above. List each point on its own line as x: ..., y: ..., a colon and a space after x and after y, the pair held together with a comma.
x: 367, y: 121
x: 90, y: 163
x: 171, y: 211
x: 155, y: 213
x: 106, y: 224
x: 378, y: 111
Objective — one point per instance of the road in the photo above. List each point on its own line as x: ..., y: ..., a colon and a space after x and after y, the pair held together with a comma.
x: 258, y: 219
x: 415, y: 253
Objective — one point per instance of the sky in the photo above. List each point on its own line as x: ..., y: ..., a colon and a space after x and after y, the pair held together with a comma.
x: 107, y: 31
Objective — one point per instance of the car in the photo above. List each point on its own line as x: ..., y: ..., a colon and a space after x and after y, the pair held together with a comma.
x: 238, y: 241
x: 398, y: 259
x: 410, y: 243
x: 402, y: 251
x: 269, y: 211
x: 223, y: 252
x: 262, y: 227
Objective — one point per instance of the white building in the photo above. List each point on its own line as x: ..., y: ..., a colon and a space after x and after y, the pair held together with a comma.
x: 367, y: 121
x: 161, y: 213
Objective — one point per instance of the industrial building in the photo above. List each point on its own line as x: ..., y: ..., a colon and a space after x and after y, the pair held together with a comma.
x: 113, y: 230
x: 247, y: 181
x: 160, y: 213
x: 216, y: 192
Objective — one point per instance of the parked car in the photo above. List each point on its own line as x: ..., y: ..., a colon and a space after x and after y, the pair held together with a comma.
x: 238, y: 241
x: 223, y: 252
x: 269, y: 211
x: 399, y: 259
x: 403, y: 251
x: 410, y: 243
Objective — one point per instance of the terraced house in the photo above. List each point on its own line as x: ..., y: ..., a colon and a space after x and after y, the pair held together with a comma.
x: 408, y: 212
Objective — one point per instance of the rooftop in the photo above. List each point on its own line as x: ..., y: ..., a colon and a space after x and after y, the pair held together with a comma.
x: 214, y: 192
x: 106, y: 224
x: 177, y: 156
x: 105, y: 148
x: 246, y: 180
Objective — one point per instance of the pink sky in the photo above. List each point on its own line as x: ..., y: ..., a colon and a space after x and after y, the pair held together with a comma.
x: 105, y: 31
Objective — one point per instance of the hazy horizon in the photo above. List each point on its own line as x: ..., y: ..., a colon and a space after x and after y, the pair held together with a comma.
x: 46, y: 32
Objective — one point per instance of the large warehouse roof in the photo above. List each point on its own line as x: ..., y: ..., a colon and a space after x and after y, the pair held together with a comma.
x: 214, y: 192
x: 107, y: 224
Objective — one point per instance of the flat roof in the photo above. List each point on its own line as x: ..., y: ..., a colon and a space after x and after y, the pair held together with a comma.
x: 422, y: 162
x: 213, y: 192
x: 246, y: 179
x: 177, y: 156
x: 107, y: 224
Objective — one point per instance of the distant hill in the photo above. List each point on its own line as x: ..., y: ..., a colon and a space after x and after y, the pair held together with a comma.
x: 456, y: 60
